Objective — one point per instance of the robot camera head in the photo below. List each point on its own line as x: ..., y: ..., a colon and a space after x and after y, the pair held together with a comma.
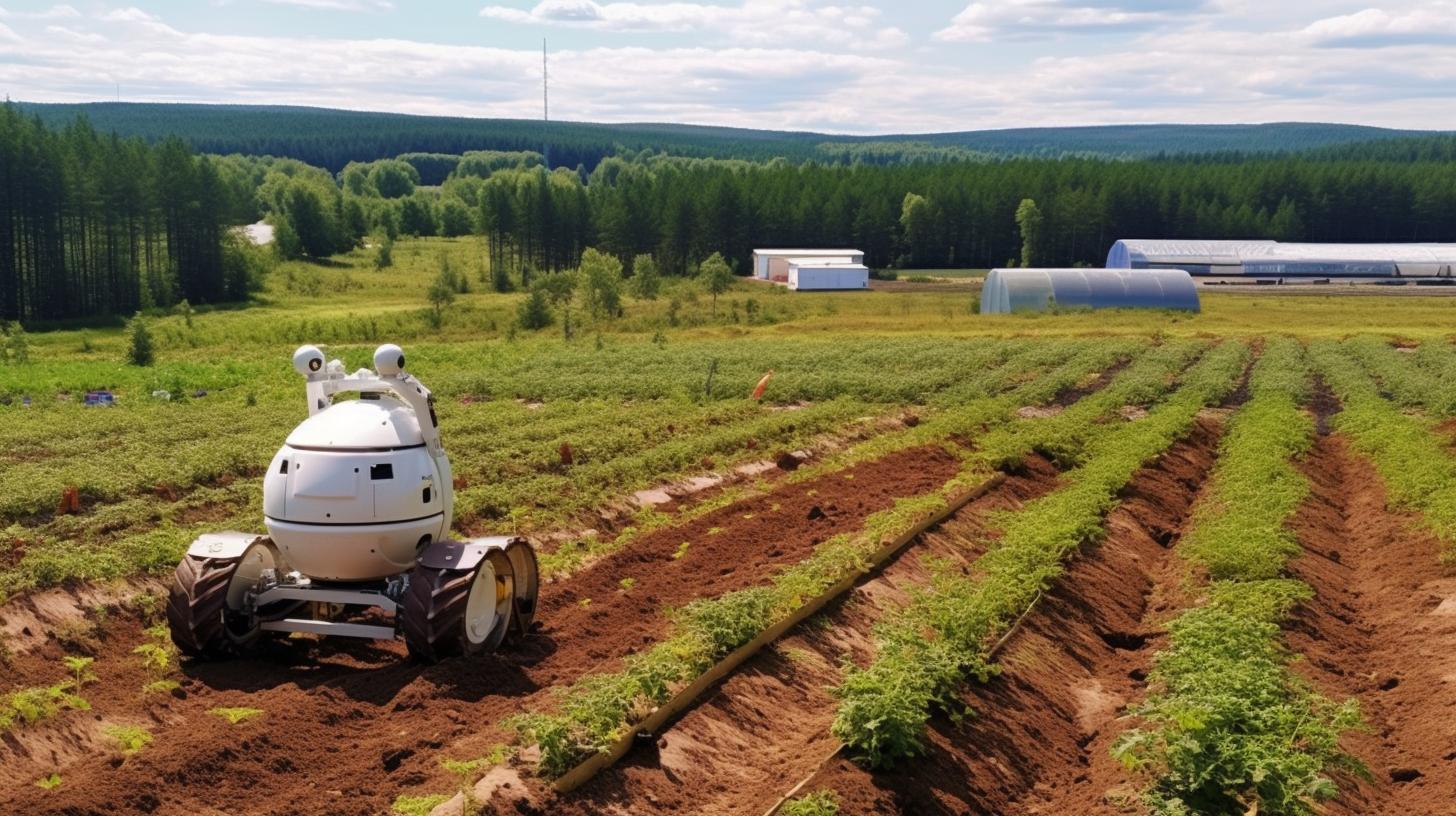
x: 308, y: 360
x: 389, y: 360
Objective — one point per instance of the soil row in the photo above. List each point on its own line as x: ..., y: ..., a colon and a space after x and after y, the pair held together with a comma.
x: 1381, y: 628
x: 767, y: 726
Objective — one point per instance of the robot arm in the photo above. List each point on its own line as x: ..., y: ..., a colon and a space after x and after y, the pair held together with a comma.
x: 327, y: 379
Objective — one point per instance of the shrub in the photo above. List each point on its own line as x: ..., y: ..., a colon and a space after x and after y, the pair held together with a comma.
x: 139, y: 343
x: 534, y: 312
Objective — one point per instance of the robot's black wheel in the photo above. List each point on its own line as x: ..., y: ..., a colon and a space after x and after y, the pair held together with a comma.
x: 450, y: 612
x: 197, y: 606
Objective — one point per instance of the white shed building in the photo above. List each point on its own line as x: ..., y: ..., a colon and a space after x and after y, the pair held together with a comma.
x: 813, y: 274
x: 773, y: 264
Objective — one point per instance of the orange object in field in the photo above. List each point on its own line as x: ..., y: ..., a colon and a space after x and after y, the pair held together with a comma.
x: 762, y: 385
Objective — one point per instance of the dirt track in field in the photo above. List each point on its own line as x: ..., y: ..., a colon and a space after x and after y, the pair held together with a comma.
x: 348, y: 725
x: 1382, y: 629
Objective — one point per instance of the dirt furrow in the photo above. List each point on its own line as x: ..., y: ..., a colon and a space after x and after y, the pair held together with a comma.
x: 1037, y: 741
x: 1382, y: 629
x: 1066, y: 674
x: 770, y: 720
x: 346, y: 725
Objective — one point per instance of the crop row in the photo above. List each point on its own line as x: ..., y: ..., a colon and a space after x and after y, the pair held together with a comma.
x: 1418, y: 472
x: 1067, y: 365
x: 1228, y: 727
x: 1061, y: 437
x: 597, y: 710
x: 991, y: 395
x: 945, y: 635
x: 138, y: 465
x: 1424, y: 377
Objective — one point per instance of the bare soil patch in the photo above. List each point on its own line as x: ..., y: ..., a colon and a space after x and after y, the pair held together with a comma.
x: 1382, y: 629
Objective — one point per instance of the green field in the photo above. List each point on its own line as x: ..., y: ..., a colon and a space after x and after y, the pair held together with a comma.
x: 551, y: 431
x: 631, y: 394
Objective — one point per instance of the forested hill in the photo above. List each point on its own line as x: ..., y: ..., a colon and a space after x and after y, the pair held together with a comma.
x: 332, y: 138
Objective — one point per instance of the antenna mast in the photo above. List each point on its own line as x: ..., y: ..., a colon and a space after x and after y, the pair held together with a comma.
x: 545, y: 107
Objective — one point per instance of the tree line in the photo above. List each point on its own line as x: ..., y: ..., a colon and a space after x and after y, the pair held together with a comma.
x: 915, y: 215
x: 333, y: 138
x: 93, y: 224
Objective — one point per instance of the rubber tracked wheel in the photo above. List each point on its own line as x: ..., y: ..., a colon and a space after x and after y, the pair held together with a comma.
x: 206, y: 601
x: 451, y: 611
x: 527, y: 580
x: 197, y: 606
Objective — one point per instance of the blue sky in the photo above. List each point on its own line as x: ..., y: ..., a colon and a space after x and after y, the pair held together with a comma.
x: 855, y: 66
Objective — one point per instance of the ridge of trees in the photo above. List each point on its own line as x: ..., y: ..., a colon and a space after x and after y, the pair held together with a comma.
x: 94, y: 224
x: 331, y: 138
x: 950, y: 214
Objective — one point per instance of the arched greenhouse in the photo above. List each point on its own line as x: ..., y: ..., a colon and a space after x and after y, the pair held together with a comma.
x: 1035, y: 290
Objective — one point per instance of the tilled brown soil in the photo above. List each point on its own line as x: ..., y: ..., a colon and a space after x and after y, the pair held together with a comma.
x: 348, y: 725
x: 1038, y: 739
x: 1066, y: 674
x: 769, y: 721
x: 1382, y: 629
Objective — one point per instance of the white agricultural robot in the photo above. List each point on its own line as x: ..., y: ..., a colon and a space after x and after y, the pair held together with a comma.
x: 358, y: 505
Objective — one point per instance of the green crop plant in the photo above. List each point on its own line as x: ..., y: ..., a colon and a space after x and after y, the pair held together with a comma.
x: 406, y: 805
x: 80, y: 669
x: 465, y: 771
x: 163, y: 686
x: 1226, y: 726
x: 928, y: 649
x: 1061, y: 437
x: 157, y: 653
x: 1421, y: 379
x: 236, y: 716
x: 28, y: 706
x: 1229, y: 727
x: 1418, y: 472
x: 1240, y: 534
x: 129, y: 738
x: 50, y: 781
x: 818, y: 803
x: 597, y: 710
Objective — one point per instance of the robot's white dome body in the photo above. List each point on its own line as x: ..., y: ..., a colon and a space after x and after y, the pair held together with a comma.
x: 361, y: 486
x: 358, y: 504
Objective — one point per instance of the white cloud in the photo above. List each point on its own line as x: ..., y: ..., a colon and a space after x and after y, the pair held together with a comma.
x: 52, y: 13
x: 75, y: 36
x: 998, y: 19
x: 1431, y: 23
x: 750, y: 22
x: 1263, y: 66
x: 337, y: 5
x: 130, y: 14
